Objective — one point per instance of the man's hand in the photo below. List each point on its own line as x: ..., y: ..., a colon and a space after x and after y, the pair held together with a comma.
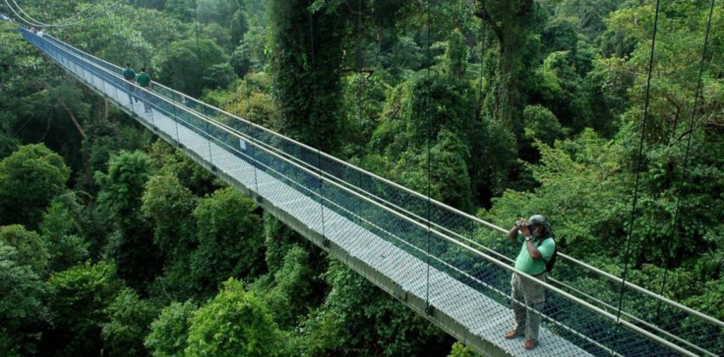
x: 513, y: 233
x: 523, y: 228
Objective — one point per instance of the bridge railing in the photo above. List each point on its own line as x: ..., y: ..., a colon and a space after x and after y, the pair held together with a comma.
x: 449, y: 239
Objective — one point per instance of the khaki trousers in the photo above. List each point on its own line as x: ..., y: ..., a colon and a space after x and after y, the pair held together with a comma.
x: 528, y: 293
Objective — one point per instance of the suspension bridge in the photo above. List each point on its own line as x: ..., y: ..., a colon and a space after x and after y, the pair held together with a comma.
x: 452, y: 268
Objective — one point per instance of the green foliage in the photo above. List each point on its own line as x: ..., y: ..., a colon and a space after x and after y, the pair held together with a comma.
x: 192, y: 176
x: 31, y: 250
x: 23, y: 73
x: 511, y: 22
x: 121, y: 198
x: 540, y: 123
x: 460, y: 350
x: 236, y: 323
x: 583, y: 192
x: 230, y: 240
x: 364, y: 102
x: 253, y: 100
x: 239, y: 26
x: 444, y: 123
x: 307, y: 77
x: 456, y: 54
x: 21, y: 304
x: 170, y: 205
x: 278, y: 240
x: 187, y: 63
x: 219, y: 35
x: 559, y: 34
x: 29, y: 179
x: 561, y: 90
x: 62, y: 231
x: 78, y: 305
x: 218, y: 11
x: 129, y: 323
x: 437, y: 102
x: 219, y: 76
x: 357, y: 319
x: 449, y: 175
x: 711, y: 301
x: 180, y: 9
x: 169, y: 331
x: 241, y: 60
x: 292, y: 294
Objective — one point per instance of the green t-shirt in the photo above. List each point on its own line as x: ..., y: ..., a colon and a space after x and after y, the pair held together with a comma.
x: 144, y: 79
x: 527, y: 264
x: 129, y: 74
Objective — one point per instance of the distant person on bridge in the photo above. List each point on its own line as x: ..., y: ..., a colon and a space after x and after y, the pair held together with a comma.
x: 536, y: 254
x: 130, y: 76
x: 144, y: 80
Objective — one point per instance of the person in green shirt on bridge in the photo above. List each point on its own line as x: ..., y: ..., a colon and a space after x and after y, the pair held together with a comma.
x: 129, y: 75
x: 144, y: 80
x: 537, y: 248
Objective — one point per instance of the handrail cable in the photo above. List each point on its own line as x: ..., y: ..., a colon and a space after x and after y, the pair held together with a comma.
x: 428, y: 108
x: 316, y: 117
x: 638, y: 163
x: 35, y: 23
x: 68, y: 20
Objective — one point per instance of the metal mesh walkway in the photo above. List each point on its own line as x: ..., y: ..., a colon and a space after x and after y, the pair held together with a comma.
x: 426, y: 254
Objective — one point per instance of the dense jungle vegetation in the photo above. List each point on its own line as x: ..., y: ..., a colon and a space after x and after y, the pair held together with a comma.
x: 111, y: 240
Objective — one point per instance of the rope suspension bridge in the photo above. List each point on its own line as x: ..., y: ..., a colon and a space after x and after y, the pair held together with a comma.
x: 426, y: 254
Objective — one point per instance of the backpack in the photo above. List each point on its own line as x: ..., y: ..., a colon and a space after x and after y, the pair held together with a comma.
x: 550, y: 263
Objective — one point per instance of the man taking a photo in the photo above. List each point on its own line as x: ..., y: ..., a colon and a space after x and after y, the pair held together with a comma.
x: 537, y: 249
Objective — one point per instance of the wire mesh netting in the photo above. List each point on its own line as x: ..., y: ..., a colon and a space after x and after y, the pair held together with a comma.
x: 459, y: 264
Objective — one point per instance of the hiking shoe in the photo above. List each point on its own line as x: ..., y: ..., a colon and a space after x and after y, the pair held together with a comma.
x: 511, y: 334
x: 528, y: 344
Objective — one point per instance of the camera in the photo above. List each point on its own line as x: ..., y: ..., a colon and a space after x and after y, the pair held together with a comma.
x: 519, y: 225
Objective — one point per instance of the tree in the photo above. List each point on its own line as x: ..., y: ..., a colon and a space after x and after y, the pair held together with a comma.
x: 460, y: 350
x: 180, y: 9
x: 63, y: 235
x: 539, y: 124
x: 584, y: 192
x: 129, y: 323
x: 357, y: 319
x: 169, y: 332
x: 30, y: 247
x: 239, y: 25
x: 170, y: 206
x: 78, y: 306
x: 22, y: 311
x: 29, y: 179
x: 187, y: 63
x: 241, y: 59
x: 433, y: 112
x: 219, y: 76
x: 131, y: 246
x: 307, y: 73
x: 511, y: 22
x: 230, y: 240
x: 292, y: 294
x: 236, y: 323
x: 456, y: 55
x: 560, y: 88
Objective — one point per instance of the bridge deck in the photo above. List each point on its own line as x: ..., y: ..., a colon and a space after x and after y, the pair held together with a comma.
x: 481, y: 317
